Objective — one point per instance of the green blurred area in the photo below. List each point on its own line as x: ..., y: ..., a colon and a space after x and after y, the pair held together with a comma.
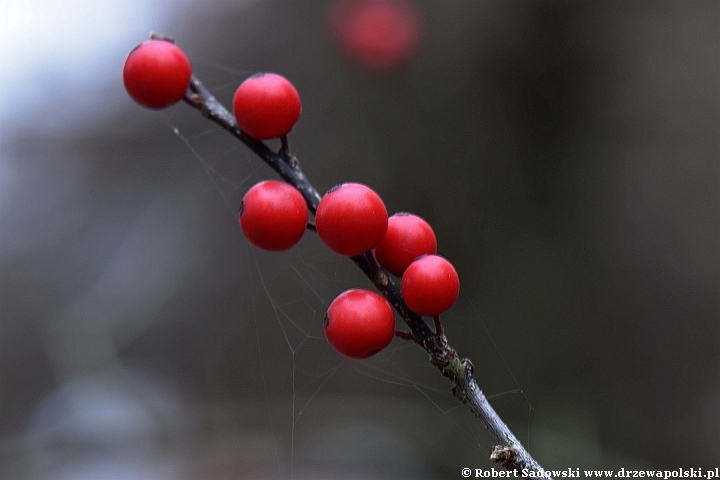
x: 566, y: 154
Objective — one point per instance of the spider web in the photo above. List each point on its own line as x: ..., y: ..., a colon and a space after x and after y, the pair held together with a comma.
x: 297, y: 290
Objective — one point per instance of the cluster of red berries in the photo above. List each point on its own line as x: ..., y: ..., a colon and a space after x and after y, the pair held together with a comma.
x: 351, y: 219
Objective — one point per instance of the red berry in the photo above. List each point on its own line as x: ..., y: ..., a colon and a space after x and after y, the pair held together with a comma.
x: 156, y: 74
x: 266, y: 105
x: 273, y: 215
x: 351, y: 219
x: 378, y: 34
x: 408, y: 237
x: 430, y: 285
x: 359, y: 323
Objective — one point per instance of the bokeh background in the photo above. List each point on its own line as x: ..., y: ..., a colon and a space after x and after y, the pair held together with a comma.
x: 566, y: 153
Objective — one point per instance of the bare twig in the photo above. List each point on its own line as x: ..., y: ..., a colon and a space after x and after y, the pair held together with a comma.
x: 509, y: 451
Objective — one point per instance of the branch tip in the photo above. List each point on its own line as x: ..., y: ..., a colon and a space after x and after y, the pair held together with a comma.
x: 505, y: 455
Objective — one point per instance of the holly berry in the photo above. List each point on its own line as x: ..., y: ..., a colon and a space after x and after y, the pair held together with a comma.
x: 351, y: 219
x: 378, y: 34
x: 359, y: 323
x: 408, y: 237
x: 273, y: 215
x: 266, y: 105
x: 156, y: 73
x: 430, y: 285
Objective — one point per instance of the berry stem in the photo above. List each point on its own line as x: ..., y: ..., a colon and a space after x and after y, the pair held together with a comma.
x: 439, y: 330
x: 404, y: 335
x: 284, y: 146
x: 509, y: 451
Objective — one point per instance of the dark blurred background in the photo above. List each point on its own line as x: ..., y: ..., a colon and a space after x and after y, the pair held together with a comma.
x: 566, y: 153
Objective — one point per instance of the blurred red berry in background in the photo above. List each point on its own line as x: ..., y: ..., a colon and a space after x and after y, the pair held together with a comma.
x: 377, y: 34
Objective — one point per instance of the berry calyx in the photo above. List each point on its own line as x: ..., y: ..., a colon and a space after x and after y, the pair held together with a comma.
x: 266, y: 105
x: 156, y: 74
x: 359, y: 323
x: 273, y: 215
x: 430, y: 285
x: 351, y: 219
x: 377, y: 34
x: 408, y: 237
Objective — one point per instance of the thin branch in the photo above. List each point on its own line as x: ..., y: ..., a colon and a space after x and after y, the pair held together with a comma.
x: 509, y: 451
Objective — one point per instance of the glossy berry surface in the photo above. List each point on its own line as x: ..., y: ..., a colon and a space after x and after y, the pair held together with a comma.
x: 359, y: 323
x: 408, y: 237
x: 273, y: 215
x: 377, y: 34
x: 430, y: 285
x: 351, y: 219
x: 156, y: 74
x: 266, y: 105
